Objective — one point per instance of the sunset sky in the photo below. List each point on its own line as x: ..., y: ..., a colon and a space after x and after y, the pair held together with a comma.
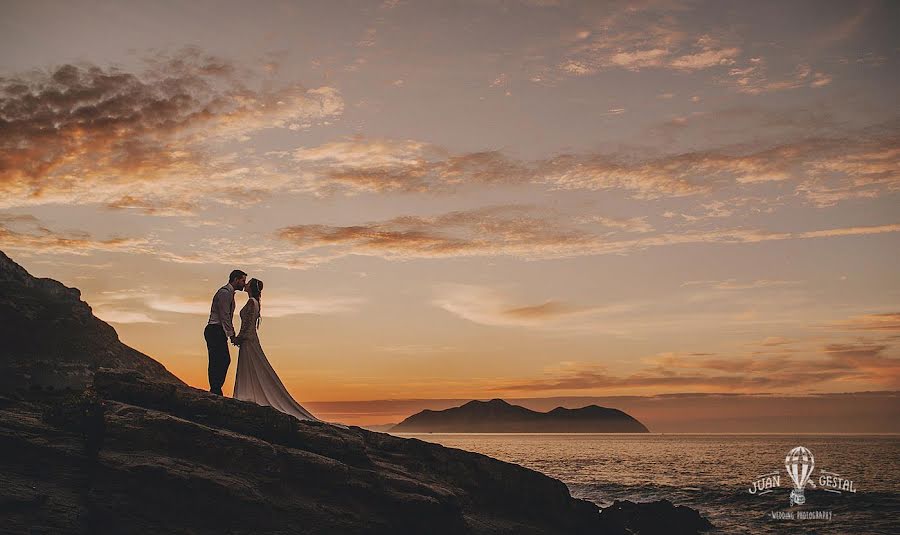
x: 471, y: 199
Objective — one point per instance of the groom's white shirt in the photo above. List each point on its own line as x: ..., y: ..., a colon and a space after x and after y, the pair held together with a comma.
x: 222, y: 309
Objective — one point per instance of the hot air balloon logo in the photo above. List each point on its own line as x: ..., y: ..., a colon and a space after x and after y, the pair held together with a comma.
x: 799, y: 464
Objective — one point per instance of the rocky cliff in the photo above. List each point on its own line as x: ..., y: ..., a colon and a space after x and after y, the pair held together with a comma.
x: 51, y: 338
x: 120, y: 446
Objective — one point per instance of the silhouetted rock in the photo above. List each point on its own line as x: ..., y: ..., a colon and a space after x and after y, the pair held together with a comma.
x: 167, y: 458
x: 137, y: 451
x: 498, y: 416
x: 51, y: 339
x: 651, y: 518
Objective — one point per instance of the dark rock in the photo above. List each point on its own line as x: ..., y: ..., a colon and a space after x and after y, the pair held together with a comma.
x: 51, y: 338
x: 498, y: 416
x: 651, y: 518
x: 120, y: 446
x: 173, y: 459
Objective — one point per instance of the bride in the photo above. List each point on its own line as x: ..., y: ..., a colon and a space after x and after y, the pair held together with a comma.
x: 256, y: 381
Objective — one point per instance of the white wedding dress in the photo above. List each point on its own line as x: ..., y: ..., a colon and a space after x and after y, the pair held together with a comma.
x: 256, y: 381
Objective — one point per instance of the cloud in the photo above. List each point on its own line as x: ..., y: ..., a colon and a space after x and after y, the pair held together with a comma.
x: 836, y: 364
x: 514, y: 230
x: 635, y: 319
x: 488, y: 306
x: 264, y: 252
x: 849, y: 231
x: 625, y: 36
x: 782, y: 125
x: 137, y: 305
x: 854, y: 352
x: 824, y: 170
x: 865, y: 362
x: 887, y: 321
x: 708, y: 54
x: 705, y: 59
x: 733, y: 284
x: 675, y: 175
x: 87, y: 134
x: 177, y: 304
x: 774, y: 341
x: 627, y: 224
x: 868, y: 171
x: 642, y: 37
x: 27, y: 234
x: 111, y: 315
x: 361, y: 152
x: 368, y: 38
x: 508, y: 229
x: 372, y: 165
x: 8, y: 219
x: 376, y: 165
x: 359, y: 164
x: 753, y: 78
x: 636, y: 59
x: 597, y: 377
x: 275, y: 306
x: 83, y: 134
x: 649, y: 179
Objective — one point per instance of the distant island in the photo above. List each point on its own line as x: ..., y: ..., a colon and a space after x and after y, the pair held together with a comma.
x: 498, y: 416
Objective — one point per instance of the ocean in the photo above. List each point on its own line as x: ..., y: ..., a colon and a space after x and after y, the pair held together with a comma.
x: 713, y: 473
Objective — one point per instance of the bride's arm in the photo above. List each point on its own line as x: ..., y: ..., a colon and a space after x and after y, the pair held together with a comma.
x: 249, y: 325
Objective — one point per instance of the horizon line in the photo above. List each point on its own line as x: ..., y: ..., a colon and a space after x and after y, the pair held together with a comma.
x: 673, y: 394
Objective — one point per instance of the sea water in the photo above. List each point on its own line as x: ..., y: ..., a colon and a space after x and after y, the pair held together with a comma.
x: 715, y: 473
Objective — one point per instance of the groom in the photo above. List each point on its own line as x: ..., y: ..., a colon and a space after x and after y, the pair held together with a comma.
x: 219, y: 330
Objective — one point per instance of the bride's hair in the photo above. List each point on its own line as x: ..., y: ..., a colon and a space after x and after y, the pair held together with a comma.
x: 256, y: 286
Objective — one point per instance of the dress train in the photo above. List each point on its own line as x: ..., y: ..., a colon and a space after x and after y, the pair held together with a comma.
x: 255, y: 379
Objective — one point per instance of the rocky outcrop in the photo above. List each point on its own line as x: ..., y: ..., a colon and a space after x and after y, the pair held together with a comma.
x: 662, y: 517
x: 129, y: 449
x: 135, y: 456
x: 498, y: 416
x: 51, y: 338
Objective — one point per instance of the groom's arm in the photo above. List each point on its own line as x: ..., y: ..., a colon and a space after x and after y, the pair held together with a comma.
x: 223, y: 305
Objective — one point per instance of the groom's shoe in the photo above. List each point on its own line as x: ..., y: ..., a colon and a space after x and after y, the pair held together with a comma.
x: 219, y: 392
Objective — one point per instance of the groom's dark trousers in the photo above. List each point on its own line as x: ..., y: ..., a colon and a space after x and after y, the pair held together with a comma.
x: 219, y: 357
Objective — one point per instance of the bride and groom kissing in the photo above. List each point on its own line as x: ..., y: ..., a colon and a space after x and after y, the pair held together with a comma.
x: 255, y: 379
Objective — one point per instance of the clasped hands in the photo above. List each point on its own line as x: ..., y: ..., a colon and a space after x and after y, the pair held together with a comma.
x: 236, y: 340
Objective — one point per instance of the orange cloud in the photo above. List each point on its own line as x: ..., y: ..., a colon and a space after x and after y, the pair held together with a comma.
x: 889, y: 321
x: 866, y: 162
x: 85, y: 134
x: 507, y: 229
x: 489, y: 306
x: 839, y: 363
x: 634, y: 37
x: 867, y: 173
x: 143, y: 141
x: 753, y: 78
x: 513, y: 230
x: 26, y: 234
x: 144, y: 305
